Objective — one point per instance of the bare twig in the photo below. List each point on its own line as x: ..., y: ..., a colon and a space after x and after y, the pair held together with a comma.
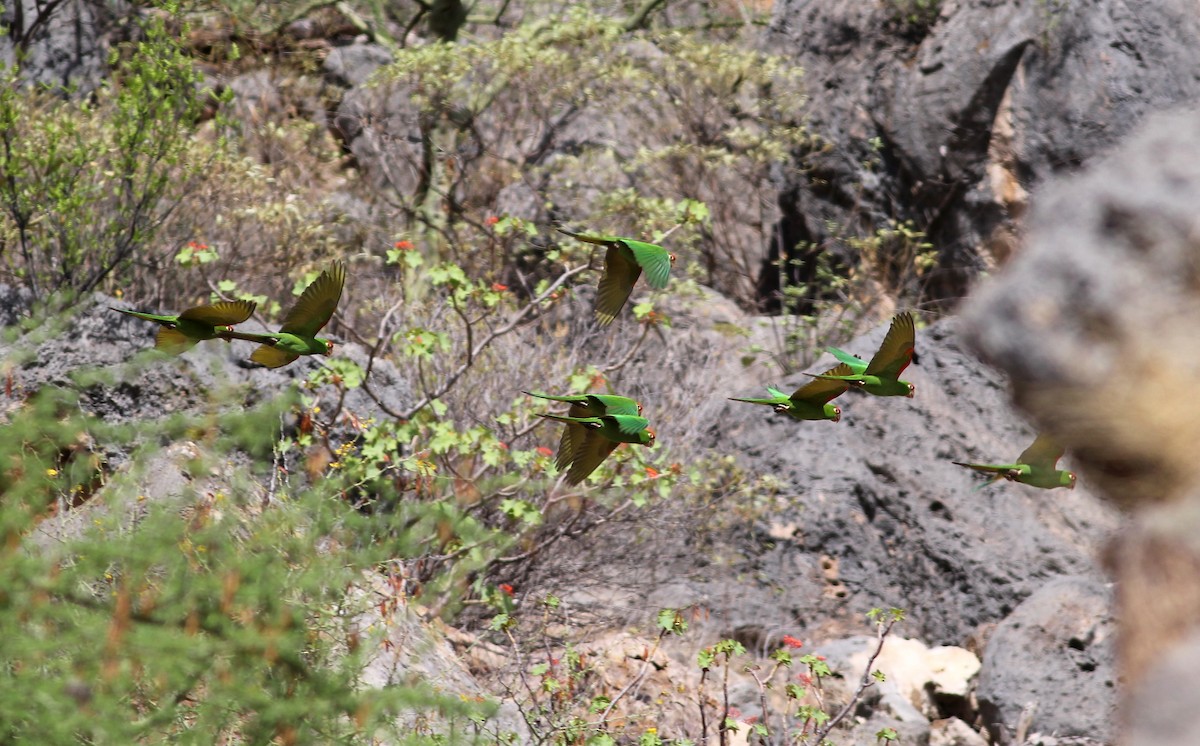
x: 636, y: 680
x: 864, y: 683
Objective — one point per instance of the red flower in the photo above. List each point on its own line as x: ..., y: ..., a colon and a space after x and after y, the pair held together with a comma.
x: 492, y: 220
x: 544, y: 451
x: 498, y: 287
x: 651, y: 472
x: 506, y: 588
x: 404, y: 245
x: 792, y: 642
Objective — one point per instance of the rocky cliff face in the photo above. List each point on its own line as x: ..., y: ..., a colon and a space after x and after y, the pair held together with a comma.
x: 952, y: 124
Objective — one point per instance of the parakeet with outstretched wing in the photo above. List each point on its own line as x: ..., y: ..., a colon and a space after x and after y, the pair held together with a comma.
x: 601, y: 436
x: 881, y: 376
x: 180, y: 333
x: 812, y: 400
x: 1037, y: 466
x: 585, y: 405
x: 624, y: 262
x: 298, y: 334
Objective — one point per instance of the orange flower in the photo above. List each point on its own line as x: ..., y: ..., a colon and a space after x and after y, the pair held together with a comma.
x: 544, y: 451
x: 506, y: 588
x: 404, y: 245
x: 498, y: 287
x: 492, y: 220
x: 652, y: 472
x: 792, y: 642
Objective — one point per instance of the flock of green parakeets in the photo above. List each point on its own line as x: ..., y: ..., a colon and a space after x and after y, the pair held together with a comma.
x: 595, y: 424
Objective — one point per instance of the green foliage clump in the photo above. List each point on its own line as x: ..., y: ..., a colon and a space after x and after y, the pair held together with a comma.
x: 188, y: 617
x: 86, y: 184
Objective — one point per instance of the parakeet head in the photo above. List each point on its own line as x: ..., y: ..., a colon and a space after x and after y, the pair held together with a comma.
x: 912, y: 391
x: 328, y: 345
x: 649, y: 436
x: 837, y: 414
x: 1069, y: 480
x: 672, y: 259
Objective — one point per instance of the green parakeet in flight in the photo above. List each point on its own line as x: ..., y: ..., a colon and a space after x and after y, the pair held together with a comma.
x: 297, y: 335
x: 602, y: 435
x: 623, y: 264
x: 881, y: 376
x: 180, y: 333
x: 810, y: 401
x: 586, y: 405
x: 1036, y: 466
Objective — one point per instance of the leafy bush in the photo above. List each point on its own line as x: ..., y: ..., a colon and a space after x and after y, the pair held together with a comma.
x: 182, y: 617
x: 87, y: 184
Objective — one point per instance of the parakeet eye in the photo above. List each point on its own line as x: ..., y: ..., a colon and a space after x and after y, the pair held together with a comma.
x: 837, y: 414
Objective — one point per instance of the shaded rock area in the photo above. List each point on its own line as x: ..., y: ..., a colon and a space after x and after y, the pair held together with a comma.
x: 1096, y: 325
x: 951, y: 124
x: 63, y: 45
x: 1050, y: 665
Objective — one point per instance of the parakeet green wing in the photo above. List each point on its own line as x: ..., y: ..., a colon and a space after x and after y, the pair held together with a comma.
x: 620, y: 274
x: 272, y: 357
x: 173, y: 341
x: 856, y: 363
x: 1044, y: 453
x: 224, y: 313
x: 821, y: 390
x: 590, y: 238
x: 896, y: 352
x: 316, y: 304
x: 653, y: 259
x: 573, y: 434
x: 590, y: 452
x: 630, y: 424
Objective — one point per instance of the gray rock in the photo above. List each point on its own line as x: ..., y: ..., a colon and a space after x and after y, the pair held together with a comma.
x: 64, y: 45
x: 1054, y: 655
x: 954, y: 732
x: 971, y: 111
x: 351, y: 65
x: 380, y: 127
